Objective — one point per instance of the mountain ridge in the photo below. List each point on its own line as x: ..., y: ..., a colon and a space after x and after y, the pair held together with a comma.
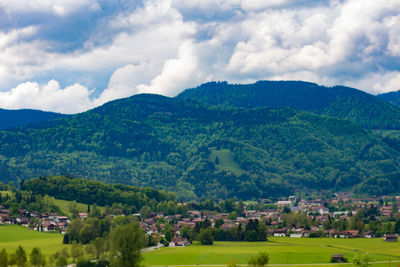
x: 23, y: 117
x: 168, y: 143
x: 342, y: 102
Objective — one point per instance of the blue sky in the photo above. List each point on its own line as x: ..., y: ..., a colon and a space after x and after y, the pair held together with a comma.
x: 72, y: 55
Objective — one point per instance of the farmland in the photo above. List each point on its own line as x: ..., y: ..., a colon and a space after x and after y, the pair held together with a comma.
x: 11, y: 236
x: 281, y: 251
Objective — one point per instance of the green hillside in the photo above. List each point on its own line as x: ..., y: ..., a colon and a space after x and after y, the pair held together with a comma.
x: 169, y: 144
x: 391, y: 97
x: 364, y: 109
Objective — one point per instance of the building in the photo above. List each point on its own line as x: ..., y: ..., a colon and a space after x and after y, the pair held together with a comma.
x: 390, y: 237
x: 337, y: 258
x: 179, y: 242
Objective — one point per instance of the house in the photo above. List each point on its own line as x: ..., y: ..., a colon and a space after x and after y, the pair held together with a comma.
x: 3, y: 218
x: 22, y: 220
x: 179, y: 242
x: 61, y: 219
x: 338, y: 258
x: 279, y: 232
x: 369, y: 234
x: 390, y: 237
x: 48, y: 226
x: 52, y: 216
x: 284, y: 203
x: 296, y: 234
x: 83, y: 215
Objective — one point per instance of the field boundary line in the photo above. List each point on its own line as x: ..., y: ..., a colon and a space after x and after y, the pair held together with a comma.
x: 276, y: 264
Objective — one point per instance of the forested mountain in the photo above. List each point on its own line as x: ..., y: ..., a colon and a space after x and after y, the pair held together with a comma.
x: 200, y: 151
x: 347, y: 103
x: 21, y: 117
x: 391, y: 97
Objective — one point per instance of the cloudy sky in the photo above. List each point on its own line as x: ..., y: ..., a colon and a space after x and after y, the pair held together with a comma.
x: 72, y: 55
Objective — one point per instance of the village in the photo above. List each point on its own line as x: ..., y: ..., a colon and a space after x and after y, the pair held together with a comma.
x: 341, y: 217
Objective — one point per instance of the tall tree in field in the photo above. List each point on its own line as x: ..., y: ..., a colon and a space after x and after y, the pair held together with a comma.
x: 37, y: 259
x: 76, y: 251
x: 19, y: 257
x: 126, y: 242
x: 3, y: 258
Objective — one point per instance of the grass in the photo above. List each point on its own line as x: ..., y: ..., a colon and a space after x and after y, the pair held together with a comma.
x: 11, y: 236
x: 281, y: 251
x: 64, y: 206
x: 226, y: 161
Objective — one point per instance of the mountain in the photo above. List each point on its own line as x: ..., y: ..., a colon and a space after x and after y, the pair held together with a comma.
x: 200, y: 151
x: 391, y: 97
x: 21, y: 117
x: 342, y: 102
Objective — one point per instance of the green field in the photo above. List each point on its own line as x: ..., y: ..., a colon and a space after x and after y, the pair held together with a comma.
x: 11, y: 236
x: 281, y: 251
x: 64, y: 206
x: 226, y: 161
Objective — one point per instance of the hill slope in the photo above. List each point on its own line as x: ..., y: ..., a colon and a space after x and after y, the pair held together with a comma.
x: 171, y: 144
x: 391, y: 97
x: 342, y: 102
x: 21, y: 117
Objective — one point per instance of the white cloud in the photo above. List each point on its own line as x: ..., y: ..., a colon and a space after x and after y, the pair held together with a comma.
x: 377, y: 82
x: 124, y: 82
x: 164, y: 46
x: 58, y: 7
x: 50, y: 97
x: 177, y: 73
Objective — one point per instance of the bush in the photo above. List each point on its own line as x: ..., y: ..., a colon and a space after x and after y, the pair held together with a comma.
x: 259, y: 260
x: 206, y: 237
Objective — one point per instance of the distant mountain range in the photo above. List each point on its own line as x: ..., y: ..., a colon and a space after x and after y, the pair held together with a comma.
x: 391, y: 97
x: 266, y: 139
x: 342, y: 102
x: 21, y: 117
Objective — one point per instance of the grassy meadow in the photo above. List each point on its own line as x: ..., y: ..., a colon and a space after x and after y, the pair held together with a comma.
x: 11, y: 236
x: 65, y: 204
x: 301, y: 251
x: 226, y: 161
x: 281, y: 250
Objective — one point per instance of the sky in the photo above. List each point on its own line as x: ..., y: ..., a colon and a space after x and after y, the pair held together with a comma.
x: 69, y: 56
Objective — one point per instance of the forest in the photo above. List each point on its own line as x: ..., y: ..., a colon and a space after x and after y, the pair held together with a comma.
x: 200, y: 151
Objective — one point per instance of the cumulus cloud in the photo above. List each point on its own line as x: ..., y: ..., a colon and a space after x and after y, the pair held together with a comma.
x: 49, y: 97
x: 165, y: 46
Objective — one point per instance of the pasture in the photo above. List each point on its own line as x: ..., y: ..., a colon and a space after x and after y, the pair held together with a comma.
x: 11, y: 236
x: 281, y: 251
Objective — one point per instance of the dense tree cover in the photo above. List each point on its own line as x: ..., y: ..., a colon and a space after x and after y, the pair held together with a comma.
x: 18, y: 118
x: 29, y: 201
x: 379, y: 185
x: 348, y: 103
x: 391, y: 97
x: 89, y: 192
x: 166, y: 143
x: 126, y: 242
x: 254, y: 230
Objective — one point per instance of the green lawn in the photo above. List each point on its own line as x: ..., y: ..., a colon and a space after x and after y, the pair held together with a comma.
x: 281, y: 251
x: 226, y: 161
x: 11, y: 236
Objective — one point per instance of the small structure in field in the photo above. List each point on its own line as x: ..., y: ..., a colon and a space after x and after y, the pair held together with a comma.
x: 179, y: 242
x: 390, y: 237
x: 338, y: 258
